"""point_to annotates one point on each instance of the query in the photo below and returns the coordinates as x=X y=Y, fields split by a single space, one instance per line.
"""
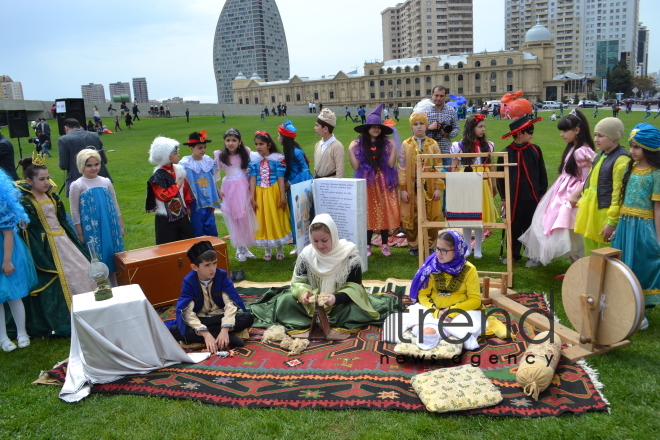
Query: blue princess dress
x=19 y=284
x=636 y=235
x=94 y=206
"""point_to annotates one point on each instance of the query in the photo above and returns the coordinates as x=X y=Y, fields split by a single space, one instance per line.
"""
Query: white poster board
x=346 y=202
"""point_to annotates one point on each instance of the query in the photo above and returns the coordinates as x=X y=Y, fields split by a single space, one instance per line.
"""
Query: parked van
x=491 y=103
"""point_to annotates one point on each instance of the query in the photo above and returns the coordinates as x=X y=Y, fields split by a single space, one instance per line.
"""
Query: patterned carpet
x=360 y=372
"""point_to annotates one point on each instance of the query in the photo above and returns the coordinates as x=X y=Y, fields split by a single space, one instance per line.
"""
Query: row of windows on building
x=460 y=65
x=382 y=95
x=428 y=79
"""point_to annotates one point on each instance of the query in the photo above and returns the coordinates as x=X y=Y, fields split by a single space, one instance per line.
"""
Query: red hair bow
x=261 y=133
x=479 y=118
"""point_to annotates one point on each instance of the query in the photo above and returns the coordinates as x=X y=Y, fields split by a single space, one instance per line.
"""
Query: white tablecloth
x=117 y=337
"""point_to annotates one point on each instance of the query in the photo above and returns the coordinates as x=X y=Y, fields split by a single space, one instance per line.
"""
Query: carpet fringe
x=593 y=375
x=591 y=372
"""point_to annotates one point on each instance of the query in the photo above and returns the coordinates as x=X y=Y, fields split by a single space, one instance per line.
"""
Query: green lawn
x=29 y=411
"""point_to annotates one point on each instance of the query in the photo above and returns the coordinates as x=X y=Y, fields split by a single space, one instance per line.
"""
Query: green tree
x=644 y=84
x=620 y=79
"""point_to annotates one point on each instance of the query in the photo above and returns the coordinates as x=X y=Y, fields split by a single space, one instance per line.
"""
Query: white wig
x=161 y=148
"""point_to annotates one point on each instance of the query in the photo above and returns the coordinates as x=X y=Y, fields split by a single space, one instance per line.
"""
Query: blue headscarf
x=433 y=265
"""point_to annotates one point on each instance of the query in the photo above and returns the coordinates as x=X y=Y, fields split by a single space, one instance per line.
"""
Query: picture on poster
x=303 y=212
x=343 y=199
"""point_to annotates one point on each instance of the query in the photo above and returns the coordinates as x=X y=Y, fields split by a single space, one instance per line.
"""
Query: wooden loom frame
x=423 y=224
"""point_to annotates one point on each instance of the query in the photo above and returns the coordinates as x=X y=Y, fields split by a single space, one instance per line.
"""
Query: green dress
x=358 y=308
x=60 y=260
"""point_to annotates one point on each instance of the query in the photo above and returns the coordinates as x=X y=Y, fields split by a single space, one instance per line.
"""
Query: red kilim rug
x=360 y=372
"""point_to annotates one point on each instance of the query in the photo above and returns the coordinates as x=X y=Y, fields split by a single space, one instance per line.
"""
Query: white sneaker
x=645 y=324
x=241 y=257
x=248 y=254
x=532 y=263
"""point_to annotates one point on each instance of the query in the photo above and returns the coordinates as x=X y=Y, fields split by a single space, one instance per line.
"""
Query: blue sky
x=55 y=47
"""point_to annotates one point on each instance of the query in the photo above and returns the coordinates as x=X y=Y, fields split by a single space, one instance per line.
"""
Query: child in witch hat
x=373 y=157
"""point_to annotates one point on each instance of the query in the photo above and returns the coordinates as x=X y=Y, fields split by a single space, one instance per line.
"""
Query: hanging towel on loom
x=464 y=200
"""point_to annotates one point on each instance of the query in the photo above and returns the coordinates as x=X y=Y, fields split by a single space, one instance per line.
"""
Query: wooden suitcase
x=159 y=270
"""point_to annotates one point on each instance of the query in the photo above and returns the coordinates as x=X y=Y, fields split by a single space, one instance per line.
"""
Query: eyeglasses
x=442 y=251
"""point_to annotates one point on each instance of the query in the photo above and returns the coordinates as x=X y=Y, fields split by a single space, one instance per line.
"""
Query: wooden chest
x=159 y=270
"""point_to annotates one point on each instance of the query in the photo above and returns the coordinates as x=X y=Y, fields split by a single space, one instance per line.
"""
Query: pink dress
x=551 y=234
x=236 y=209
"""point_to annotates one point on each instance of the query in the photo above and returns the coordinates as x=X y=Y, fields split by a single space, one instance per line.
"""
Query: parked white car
x=551 y=105
x=587 y=103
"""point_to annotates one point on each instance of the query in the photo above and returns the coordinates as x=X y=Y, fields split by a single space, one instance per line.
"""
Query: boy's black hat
x=198 y=249
x=197 y=138
x=520 y=125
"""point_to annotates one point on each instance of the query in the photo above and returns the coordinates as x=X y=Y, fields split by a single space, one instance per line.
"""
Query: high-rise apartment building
x=120 y=88
x=93 y=92
x=249 y=38
x=10 y=89
x=579 y=28
x=140 y=90
x=420 y=28
x=643 y=36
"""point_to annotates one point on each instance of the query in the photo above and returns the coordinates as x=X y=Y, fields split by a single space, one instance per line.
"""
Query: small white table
x=117 y=337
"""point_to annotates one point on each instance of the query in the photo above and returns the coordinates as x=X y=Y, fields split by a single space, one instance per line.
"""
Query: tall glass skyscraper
x=249 y=38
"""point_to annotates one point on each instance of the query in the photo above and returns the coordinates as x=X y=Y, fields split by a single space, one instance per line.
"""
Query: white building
x=589 y=35
x=120 y=88
x=93 y=92
x=10 y=89
x=423 y=28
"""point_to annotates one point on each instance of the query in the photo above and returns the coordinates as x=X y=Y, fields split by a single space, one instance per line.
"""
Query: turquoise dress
x=636 y=235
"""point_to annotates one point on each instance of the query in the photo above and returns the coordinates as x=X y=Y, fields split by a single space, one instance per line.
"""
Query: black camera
x=447 y=128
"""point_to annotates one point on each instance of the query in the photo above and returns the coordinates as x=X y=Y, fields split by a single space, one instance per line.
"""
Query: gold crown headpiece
x=38 y=159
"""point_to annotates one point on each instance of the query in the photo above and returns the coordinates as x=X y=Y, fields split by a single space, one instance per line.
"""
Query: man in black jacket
x=69 y=145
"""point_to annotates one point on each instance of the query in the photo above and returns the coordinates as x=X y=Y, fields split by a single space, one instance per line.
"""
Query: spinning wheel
x=620 y=309
x=603 y=301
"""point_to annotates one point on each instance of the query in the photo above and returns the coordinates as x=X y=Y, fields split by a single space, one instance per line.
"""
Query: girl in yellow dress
x=267 y=189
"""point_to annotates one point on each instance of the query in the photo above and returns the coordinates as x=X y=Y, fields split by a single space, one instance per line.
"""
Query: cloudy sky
x=55 y=47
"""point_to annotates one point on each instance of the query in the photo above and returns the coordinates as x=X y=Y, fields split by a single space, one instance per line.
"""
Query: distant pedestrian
x=263 y=117
x=117 y=127
x=128 y=120
x=648 y=111
x=225 y=120
x=595 y=112
x=135 y=112
x=396 y=113
x=561 y=109
x=167 y=111
x=187 y=116
x=348 y=114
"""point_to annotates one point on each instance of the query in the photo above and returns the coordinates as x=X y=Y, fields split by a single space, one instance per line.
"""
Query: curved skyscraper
x=249 y=38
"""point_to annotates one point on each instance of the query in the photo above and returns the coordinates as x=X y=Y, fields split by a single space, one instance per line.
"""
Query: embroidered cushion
x=444 y=349
x=455 y=389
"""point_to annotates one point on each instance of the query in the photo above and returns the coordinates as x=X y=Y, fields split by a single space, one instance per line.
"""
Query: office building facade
x=10 y=89
x=120 y=88
x=140 y=90
x=93 y=92
x=422 y=28
x=250 y=38
x=579 y=28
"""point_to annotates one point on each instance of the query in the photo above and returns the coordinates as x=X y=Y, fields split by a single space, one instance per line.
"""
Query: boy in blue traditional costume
x=200 y=172
x=210 y=310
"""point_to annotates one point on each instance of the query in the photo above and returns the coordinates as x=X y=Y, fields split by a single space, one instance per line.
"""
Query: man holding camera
x=443 y=122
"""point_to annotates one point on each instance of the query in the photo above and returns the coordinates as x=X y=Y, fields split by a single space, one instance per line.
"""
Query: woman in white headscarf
x=330 y=268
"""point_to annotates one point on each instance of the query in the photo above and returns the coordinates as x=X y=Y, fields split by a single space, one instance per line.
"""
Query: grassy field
x=631 y=374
